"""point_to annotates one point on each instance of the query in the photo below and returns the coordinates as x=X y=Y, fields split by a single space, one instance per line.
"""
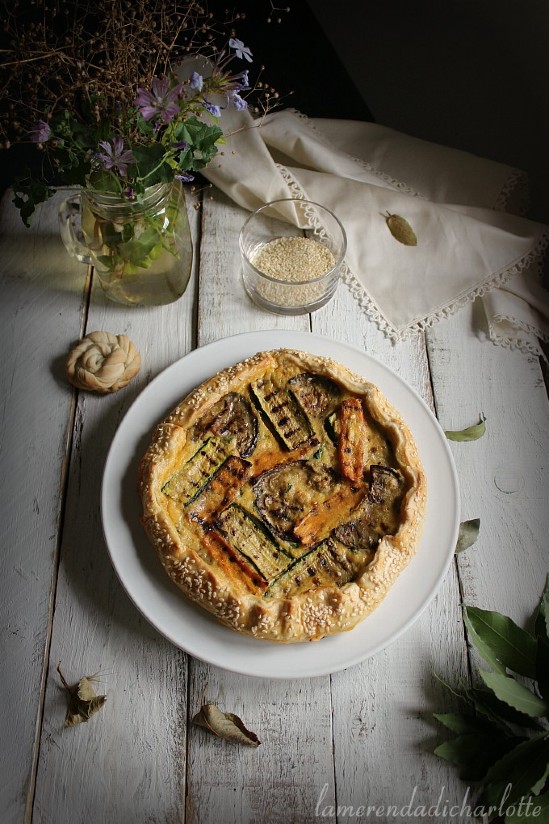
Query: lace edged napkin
x=468 y=246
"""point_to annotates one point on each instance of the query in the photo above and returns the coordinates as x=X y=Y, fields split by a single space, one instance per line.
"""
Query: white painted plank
x=280 y=780
x=378 y=727
x=504 y=474
x=224 y=307
x=128 y=763
x=41 y=293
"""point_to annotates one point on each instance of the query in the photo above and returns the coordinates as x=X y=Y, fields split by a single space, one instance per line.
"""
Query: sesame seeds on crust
x=316 y=612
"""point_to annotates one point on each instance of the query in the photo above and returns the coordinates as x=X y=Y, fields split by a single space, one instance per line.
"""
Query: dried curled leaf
x=472 y=433
x=468 y=534
x=225 y=725
x=401 y=230
x=83 y=700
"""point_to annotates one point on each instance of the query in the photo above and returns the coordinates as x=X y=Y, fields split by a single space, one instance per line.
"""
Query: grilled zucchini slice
x=325 y=565
x=187 y=483
x=247 y=535
x=221 y=489
x=283 y=413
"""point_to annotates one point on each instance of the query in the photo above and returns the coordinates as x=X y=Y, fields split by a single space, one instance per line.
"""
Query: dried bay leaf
x=401 y=230
x=225 y=725
x=468 y=534
x=471 y=433
x=83 y=700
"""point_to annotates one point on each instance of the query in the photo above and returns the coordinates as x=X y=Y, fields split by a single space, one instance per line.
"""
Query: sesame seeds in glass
x=292 y=252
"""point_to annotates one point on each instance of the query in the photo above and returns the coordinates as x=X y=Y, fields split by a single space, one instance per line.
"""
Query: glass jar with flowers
x=106 y=98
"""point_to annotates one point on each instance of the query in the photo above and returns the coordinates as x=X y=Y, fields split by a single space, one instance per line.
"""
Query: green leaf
x=468 y=534
x=401 y=230
x=462 y=696
x=542 y=615
x=524 y=768
x=104 y=181
x=515 y=694
x=138 y=249
x=498 y=712
x=150 y=164
x=201 y=139
x=542 y=667
x=501 y=642
x=472 y=433
x=536 y=811
x=28 y=194
x=474 y=753
x=462 y=724
x=482 y=645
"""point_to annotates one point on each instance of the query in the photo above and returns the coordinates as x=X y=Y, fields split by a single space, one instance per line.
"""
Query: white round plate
x=192 y=628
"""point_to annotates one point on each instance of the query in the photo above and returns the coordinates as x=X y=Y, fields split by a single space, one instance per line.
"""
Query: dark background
x=472 y=74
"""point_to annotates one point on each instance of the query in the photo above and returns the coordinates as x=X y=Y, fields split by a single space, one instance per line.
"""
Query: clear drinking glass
x=292 y=252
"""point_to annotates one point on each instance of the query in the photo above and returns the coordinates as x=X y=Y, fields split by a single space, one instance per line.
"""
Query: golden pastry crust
x=197 y=555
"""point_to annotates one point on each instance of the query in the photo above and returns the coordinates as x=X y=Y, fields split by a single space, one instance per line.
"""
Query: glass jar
x=292 y=255
x=141 y=249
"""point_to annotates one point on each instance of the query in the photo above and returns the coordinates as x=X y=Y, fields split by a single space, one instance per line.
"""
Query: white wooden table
x=362 y=736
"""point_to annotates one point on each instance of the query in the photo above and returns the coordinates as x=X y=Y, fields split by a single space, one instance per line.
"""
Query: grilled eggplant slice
x=386 y=484
x=232 y=416
x=185 y=484
x=221 y=489
x=285 y=494
x=318 y=396
x=325 y=565
x=249 y=537
x=378 y=513
x=359 y=533
x=282 y=411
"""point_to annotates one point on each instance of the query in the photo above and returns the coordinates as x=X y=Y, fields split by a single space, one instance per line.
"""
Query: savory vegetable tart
x=284 y=495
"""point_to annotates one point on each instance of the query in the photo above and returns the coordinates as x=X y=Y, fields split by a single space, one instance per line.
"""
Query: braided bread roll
x=103 y=362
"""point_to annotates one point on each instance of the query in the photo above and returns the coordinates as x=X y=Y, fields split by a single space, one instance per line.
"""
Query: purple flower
x=238 y=102
x=40 y=132
x=185 y=177
x=160 y=102
x=212 y=109
x=243 y=77
x=196 y=81
x=236 y=82
x=241 y=50
x=181 y=145
x=115 y=157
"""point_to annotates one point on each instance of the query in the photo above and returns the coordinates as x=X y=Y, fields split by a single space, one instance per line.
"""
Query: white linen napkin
x=467 y=245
